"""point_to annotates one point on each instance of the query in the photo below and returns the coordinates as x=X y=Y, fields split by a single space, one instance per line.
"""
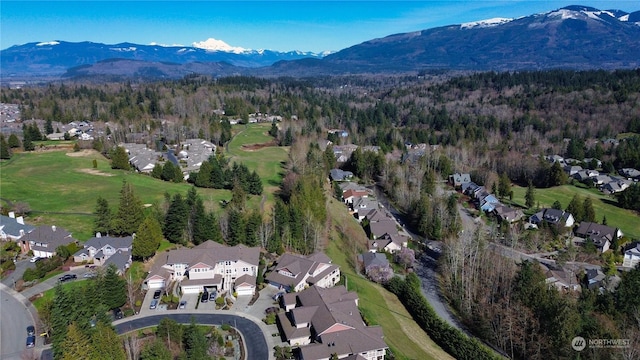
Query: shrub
x=225 y=327
x=220 y=301
x=138 y=303
x=270 y=319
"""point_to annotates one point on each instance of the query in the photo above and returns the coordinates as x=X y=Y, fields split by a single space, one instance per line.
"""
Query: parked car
x=89 y=275
x=154 y=304
x=272 y=309
x=117 y=313
x=156 y=294
x=277 y=296
x=31 y=341
x=67 y=277
x=205 y=297
x=182 y=305
x=31 y=330
x=212 y=296
x=34 y=259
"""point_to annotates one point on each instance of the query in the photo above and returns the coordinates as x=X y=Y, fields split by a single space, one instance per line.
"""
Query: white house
x=631 y=257
x=100 y=248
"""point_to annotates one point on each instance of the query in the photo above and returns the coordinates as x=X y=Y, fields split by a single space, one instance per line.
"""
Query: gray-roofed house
x=13 y=228
x=594 y=278
x=99 y=249
x=508 y=214
x=388 y=243
x=553 y=217
x=458 y=179
x=206 y=266
x=631 y=257
x=327 y=321
x=121 y=260
x=45 y=239
x=194 y=152
x=379 y=229
x=630 y=173
x=295 y=272
x=340 y=175
x=601 y=235
x=369 y=259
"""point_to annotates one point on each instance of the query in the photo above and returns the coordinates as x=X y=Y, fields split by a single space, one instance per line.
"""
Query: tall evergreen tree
x=212 y=229
x=175 y=223
x=589 y=213
x=155 y=350
x=106 y=344
x=5 y=152
x=236 y=228
x=112 y=288
x=104 y=218
x=120 y=159
x=76 y=344
x=195 y=343
x=529 y=197
x=504 y=185
x=156 y=173
x=28 y=145
x=130 y=211
x=48 y=127
x=14 y=142
x=147 y=238
x=252 y=226
x=575 y=207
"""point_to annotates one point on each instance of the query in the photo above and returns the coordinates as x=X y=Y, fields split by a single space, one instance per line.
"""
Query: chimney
x=12 y=214
x=98 y=234
x=53 y=228
x=20 y=220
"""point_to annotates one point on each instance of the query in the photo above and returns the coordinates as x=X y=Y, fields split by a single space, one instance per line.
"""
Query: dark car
x=156 y=294
x=272 y=309
x=212 y=296
x=154 y=304
x=205 y=297
x=31 y=341
x=117 y=313
x=183 y=304
x=67 y=277
x=31 y=330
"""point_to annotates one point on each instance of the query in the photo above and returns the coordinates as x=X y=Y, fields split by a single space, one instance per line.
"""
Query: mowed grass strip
x=380 y=307
x=266 y=161
x=37 y=303
x=604 y=205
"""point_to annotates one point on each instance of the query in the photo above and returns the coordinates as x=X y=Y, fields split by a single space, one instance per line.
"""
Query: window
x=229 y=271
x=228 y=263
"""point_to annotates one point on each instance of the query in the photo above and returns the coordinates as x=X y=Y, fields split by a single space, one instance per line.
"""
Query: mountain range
x=573 y=37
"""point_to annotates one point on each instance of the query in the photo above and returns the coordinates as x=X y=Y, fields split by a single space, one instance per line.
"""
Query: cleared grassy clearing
x=380 y=307
x=604 y=205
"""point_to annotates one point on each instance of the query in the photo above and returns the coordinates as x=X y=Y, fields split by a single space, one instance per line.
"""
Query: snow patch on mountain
x=624 y=18
x=165 y=45
x=130 y=48
x=212 y=44
x=48 y=43
x=485 y=23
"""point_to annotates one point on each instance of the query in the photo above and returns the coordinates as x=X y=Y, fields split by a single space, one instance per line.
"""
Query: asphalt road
x=13 y=328
x=253 y=337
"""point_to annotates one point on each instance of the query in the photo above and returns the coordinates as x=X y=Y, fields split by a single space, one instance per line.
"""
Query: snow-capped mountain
x=54 y=58
x=573 y=37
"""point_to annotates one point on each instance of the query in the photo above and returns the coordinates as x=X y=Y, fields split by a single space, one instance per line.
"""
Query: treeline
x=216 y=173
x=452 y=340
x=78 y=321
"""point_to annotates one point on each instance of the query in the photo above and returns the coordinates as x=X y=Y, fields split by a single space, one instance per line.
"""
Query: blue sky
x=276 y=25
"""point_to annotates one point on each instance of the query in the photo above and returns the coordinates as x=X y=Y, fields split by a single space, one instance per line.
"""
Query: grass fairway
x=380 y=307
x=604 y=205
x=61 y=188
x=265 y=160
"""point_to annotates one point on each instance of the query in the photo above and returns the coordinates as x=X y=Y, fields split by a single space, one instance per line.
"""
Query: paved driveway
x=13 y=328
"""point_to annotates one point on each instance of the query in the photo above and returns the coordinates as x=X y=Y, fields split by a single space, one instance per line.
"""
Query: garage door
x=191 y=289
x=155 y=284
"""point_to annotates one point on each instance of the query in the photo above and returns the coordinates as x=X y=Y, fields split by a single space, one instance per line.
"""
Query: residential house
x=345 y=186
x=562 y=280
x=388 y=243
x=194 y=152
x=572 y=169
x=594 y=278
x=556 y=159
x=13 y=228
x=584 y=175
x=381 y=228
x=615 y=185
x=45 y=239
x=100 y=248
x=632 y=257
x=141 y=158
x=601 y=235
x=121 y=260
x=458 y=179
x=342 y=153
x=469 y=188
x=601 y=179
x=296 y=272
x=508 y=214
x=362 y=206
x=327 y=322
x=55 y=136
x=370 y=259
x=589 y=161
x=630 y=173
x=350 y=195
x=340 y=175
x=487 y=202
x=554 y=217
x=207 y=266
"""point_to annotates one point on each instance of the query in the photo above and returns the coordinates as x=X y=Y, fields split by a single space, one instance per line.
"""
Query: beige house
x=207 y=266
x=296 y=272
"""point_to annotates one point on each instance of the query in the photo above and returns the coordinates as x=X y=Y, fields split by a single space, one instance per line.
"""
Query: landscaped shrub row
x=42 y=268
x=452 y=340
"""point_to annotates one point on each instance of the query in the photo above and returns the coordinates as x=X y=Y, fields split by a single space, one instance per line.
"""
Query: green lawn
x=380 y=307
x=266 y=161
x=604 y=205
x=37 y=303
x=61 y=187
